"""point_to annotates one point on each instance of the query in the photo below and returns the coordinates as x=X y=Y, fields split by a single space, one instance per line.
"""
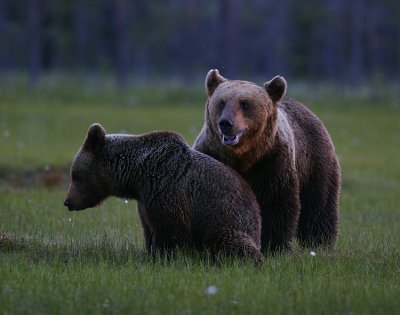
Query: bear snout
x=229 y=135
x=68 y=204
x=225 y=125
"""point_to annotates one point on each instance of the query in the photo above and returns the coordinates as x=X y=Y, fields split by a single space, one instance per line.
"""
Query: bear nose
x=67 y=203
x=225 y=125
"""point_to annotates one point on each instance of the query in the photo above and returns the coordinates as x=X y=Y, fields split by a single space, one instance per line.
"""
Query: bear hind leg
x=240 y=245
x=318 y=222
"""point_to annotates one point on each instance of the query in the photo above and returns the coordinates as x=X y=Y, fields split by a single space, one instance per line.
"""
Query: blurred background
x=342 y=42
x=136 y=66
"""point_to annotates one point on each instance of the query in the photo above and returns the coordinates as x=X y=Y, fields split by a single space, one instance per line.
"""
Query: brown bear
x=189 y=199
x=283 y=151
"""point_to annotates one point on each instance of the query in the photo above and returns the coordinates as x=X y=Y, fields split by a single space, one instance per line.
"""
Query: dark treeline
x=341 y=41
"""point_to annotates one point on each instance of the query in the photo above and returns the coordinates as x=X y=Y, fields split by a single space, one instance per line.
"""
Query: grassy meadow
x=93 y=262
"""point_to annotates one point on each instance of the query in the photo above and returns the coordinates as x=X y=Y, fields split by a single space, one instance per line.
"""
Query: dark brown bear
x=283 y=151
x=191 y=200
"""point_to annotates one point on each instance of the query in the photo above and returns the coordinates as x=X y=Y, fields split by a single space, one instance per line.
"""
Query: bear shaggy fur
x=283 y=151
x=190 y=199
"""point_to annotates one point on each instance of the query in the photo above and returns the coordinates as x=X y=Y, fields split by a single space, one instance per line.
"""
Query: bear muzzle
x=227 y=132
x=70 y=205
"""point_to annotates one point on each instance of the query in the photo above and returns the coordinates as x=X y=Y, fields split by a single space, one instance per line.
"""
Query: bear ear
x=95 y=139
x=276 y=88
x=213 y=79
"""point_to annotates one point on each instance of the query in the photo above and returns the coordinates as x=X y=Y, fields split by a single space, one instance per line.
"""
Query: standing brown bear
x=189 y=199
x=283 y=151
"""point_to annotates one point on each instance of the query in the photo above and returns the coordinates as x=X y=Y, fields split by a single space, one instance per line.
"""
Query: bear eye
x=244 y=105
x=221 y=105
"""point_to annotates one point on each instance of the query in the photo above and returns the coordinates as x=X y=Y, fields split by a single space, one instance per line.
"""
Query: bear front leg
x=279 y=199
x=147 y=230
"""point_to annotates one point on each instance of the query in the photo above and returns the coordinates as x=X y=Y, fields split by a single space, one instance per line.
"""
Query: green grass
x=56 y=262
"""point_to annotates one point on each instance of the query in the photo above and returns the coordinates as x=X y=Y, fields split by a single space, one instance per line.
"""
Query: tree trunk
x=376 y=40
x=229 y=37
x=356 y=60
x=80 y=32
x=332 y=49
x=276 y=34
x=4 y=62
x=397 y=61
x=122 y=42
x=35 y=40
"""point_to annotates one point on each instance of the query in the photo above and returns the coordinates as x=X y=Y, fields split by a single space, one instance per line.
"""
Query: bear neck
x=137 y=165
x=122 y=158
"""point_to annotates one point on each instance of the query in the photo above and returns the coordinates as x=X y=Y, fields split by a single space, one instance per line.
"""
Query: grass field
x=93 y=262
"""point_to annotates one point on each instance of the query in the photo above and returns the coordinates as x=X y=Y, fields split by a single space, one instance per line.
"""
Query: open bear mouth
x=231 y=140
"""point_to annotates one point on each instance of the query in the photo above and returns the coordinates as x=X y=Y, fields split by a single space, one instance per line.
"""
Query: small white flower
x=312 y=254
x=20 y=145
x=355 y=141
x=126 y=200
x=211 y=290
x=69 y=219
x=7 y=289
x=234 y=302
x=106 y=303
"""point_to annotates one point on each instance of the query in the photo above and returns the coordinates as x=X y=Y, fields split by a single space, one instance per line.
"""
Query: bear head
x=88 y=187
x=239 y=112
